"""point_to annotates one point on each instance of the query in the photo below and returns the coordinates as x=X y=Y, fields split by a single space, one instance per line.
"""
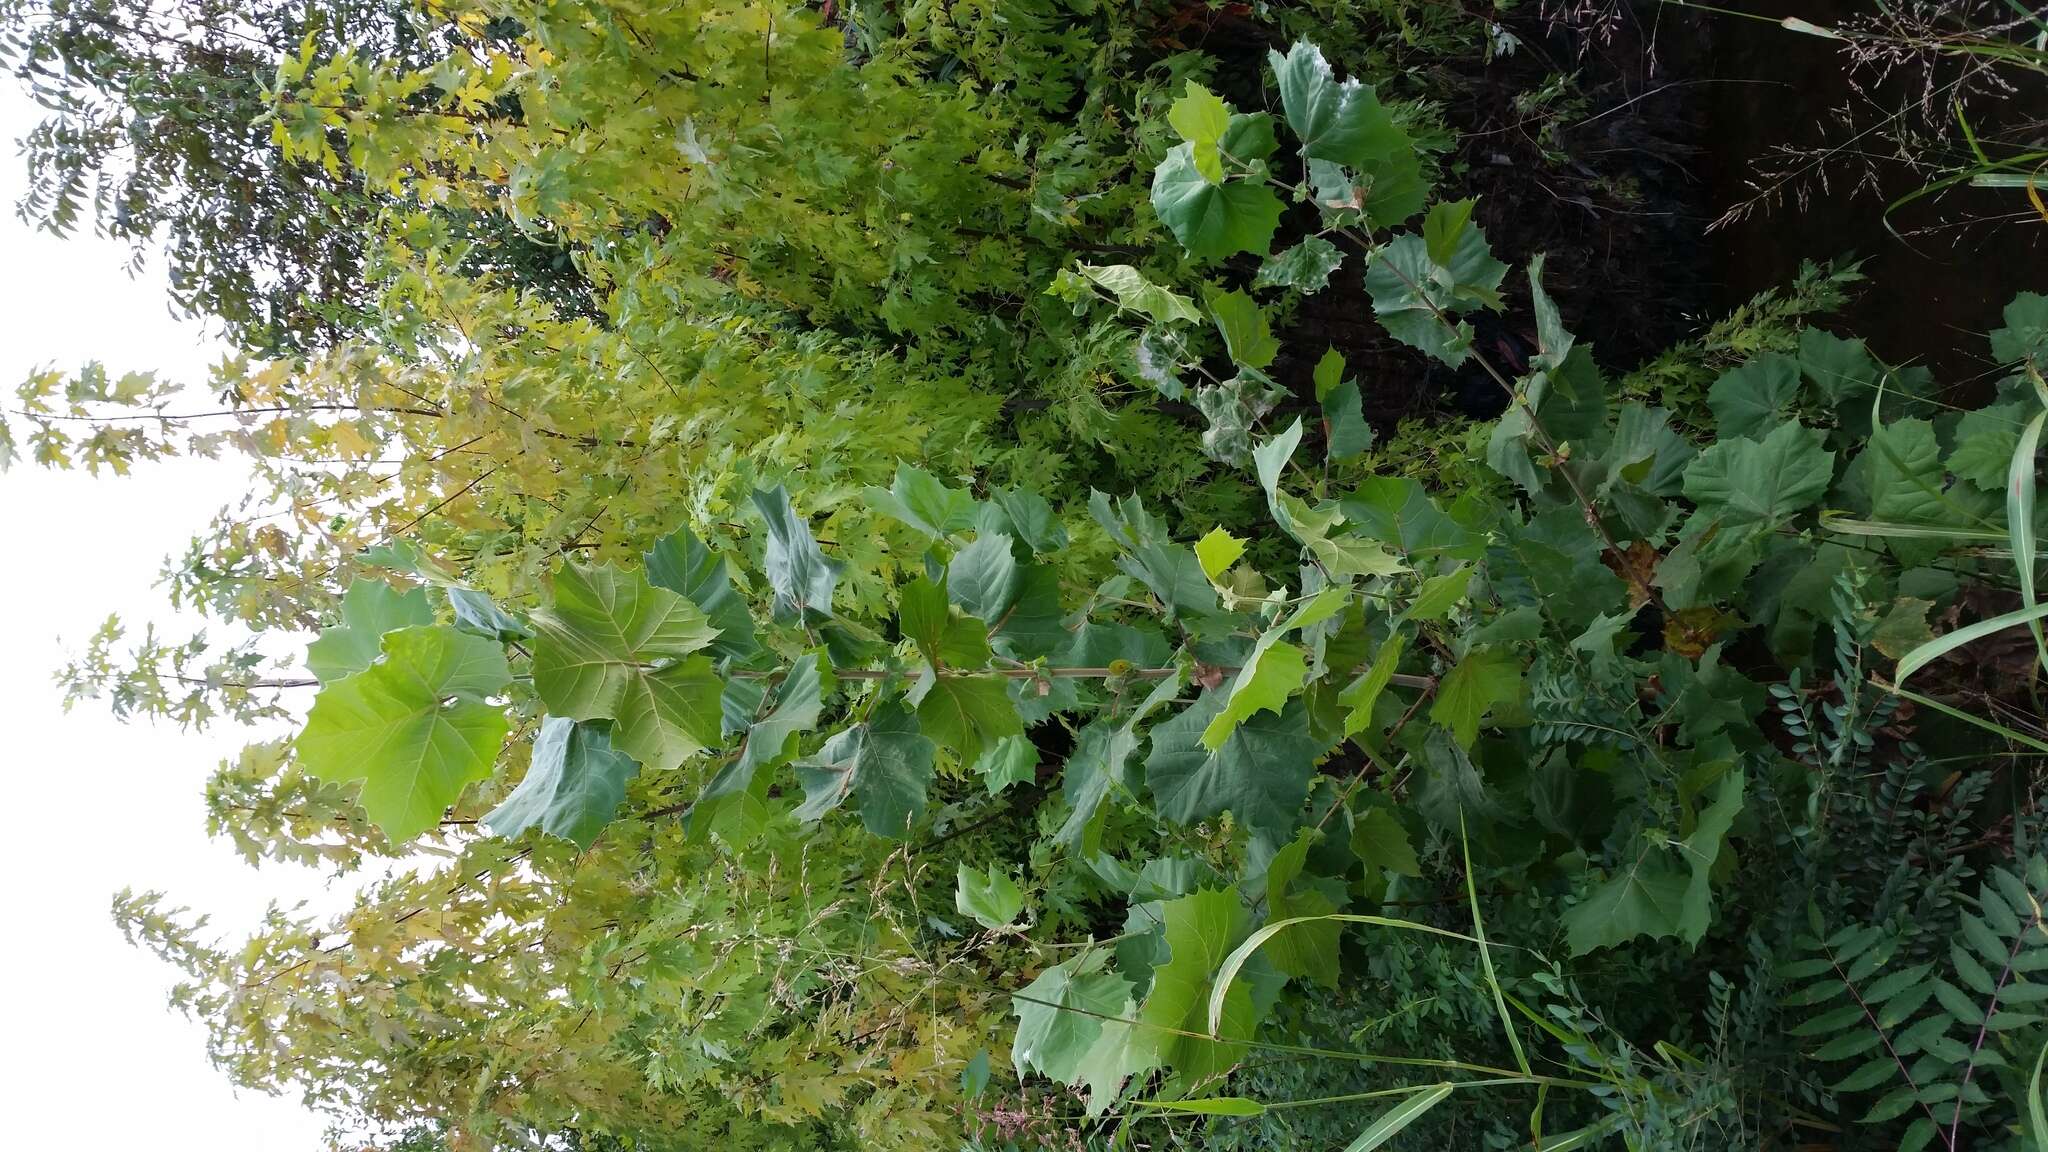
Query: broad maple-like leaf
x=614 y=647
x=369 y=609
x=573 y=785
x=414 y=726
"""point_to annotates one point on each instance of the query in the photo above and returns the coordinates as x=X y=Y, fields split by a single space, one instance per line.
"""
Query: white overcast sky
x=94 y=1059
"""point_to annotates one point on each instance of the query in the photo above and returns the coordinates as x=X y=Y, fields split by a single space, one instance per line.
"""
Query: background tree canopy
x=1032 y=573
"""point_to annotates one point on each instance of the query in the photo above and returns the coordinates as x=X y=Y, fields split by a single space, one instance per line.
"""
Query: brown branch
x=443 y=503
x=1086 y=672
x=273 y=410
x=1588 y=509
x=1358 y=778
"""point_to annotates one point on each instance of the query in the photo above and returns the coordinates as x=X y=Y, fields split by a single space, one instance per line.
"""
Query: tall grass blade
x=1400 y=1116
x=1949 y=710
x=1941 y=646
x=2019 y=521
x=1851 y=526
x=2037 y=1119
x=1210 y=1106
x=1582 y=1138
x=1234 y=963
x=1500 y=1004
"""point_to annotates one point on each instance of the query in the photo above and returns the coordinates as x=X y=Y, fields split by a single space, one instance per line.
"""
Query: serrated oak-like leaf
x=1217 y=552
x=919 y=499
x=1751 y=399
x=884 y=765
x=1702 y=848
x=1306 y=267
x=1133 y=291
x=946 y=638
x=1645 y=899
x=1212 y=220
x=1123 y=1055
x=1444 y=227
x=1018 y=604
x=772 y=740
x=1339 y=554
x=1553 y=340
x=413 y=727
x=573 y=785
x=1344 y=424
x=965 y=713
x=1201 y=117
x=799 y=701
x=1844 y=370
x=614 y=647
x=1439 y=594
x=1417 y=299
x=1247 y=336
x=1985 y=442
x=1011 y=760
x=369 y=609
x=1150 y=556
x=1271 y=674
x=1358 y=698
x=2026 y=330
x=1024 y=515
x=1399 y=511
x=1097 y=766
x=1900 y=470
x=1260 y=774
x=1309 y=949
x=1379 y=839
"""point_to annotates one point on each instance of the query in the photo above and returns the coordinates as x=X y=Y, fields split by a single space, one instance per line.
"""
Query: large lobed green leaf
x=1201 y=929
x=614 y=647
x=682 y=564
x=573 y=784
x=1060 y=1015
x=798 y=571
x=1418 y=298
x=369 y=609
x=413 y=727
x=1663 y=891
x=1210 y=219
x=1345 y=123
x=883 y=765
x=1259 y=774
x=1750 y=484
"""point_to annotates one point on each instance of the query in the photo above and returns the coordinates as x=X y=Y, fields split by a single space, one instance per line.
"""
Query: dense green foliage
x=936 y=654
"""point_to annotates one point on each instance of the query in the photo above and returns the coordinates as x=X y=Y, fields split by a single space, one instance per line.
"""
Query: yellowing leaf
x=1273 y=673
x=1217 y=552
x=1201 y=117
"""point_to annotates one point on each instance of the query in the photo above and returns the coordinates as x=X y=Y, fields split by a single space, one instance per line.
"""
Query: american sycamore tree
x=849 y=610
